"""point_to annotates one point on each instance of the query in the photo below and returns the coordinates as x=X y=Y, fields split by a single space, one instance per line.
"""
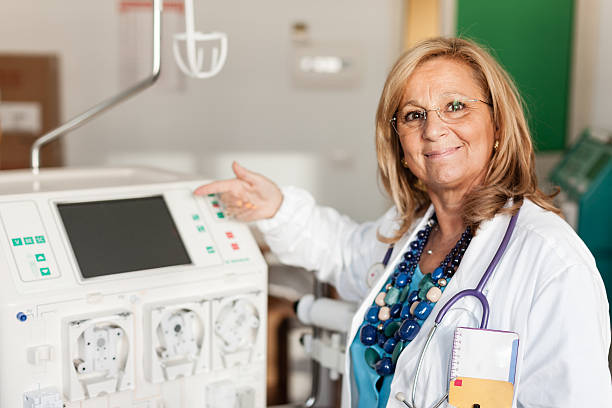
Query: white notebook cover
x=483 y=353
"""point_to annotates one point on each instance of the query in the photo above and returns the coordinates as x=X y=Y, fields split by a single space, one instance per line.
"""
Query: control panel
x=28 y=241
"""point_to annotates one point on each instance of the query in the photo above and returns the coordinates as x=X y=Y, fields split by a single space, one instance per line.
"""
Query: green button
x=220 y=215
x=17 y=241
x=210 y=250
x=40 y=258
x=195 y=217
x=201 y=228
x=28 y=240
x=45 y=271
x=212 y=195
x=40 y=239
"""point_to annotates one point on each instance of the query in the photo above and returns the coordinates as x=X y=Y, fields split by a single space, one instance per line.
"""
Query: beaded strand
x=396 y=316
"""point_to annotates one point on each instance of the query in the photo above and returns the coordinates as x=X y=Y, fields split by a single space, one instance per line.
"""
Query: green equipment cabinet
x=585 y=177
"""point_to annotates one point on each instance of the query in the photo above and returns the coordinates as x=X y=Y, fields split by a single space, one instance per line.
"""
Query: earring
x=404 y=163
x=496 y=145
x=420 y=186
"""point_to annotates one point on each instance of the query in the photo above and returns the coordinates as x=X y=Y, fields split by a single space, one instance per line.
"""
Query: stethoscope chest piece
x=374 y=274
x=378 y=269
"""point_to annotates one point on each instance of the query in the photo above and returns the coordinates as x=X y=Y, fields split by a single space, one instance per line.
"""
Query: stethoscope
x=476 y=292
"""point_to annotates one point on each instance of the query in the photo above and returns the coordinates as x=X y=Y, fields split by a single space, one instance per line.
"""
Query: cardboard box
x=29 y=106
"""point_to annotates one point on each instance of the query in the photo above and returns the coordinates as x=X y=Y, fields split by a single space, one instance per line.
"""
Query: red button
x=230 y=235
x=235 y=246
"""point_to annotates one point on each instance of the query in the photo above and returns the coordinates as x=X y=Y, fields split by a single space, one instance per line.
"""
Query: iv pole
x=109 y=103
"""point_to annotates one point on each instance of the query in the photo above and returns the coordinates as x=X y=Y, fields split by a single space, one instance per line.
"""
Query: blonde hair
x=511 y=171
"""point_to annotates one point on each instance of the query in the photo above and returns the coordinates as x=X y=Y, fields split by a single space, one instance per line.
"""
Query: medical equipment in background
x=123 y=289
x=585 y=177
x=326 y=345
x=195 y=66
x=195 y=58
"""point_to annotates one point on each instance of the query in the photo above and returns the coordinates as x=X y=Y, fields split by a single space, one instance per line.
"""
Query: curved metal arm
x=109 y=103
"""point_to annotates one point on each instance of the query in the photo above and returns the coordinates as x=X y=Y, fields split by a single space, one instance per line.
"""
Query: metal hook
x=195 y=57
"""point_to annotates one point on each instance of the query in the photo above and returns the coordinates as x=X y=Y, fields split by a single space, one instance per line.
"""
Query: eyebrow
x=412 y=102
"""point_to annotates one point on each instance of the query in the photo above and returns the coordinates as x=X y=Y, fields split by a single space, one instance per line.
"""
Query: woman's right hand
x=248 y=197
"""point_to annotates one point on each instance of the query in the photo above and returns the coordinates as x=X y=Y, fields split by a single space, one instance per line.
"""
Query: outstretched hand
x=248 y=197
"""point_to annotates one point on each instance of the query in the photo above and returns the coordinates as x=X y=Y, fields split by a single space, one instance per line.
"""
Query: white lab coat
x=546 y=288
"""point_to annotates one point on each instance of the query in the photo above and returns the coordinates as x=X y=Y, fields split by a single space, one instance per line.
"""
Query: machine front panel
x=129 y=297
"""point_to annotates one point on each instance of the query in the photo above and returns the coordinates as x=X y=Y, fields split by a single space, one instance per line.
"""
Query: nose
x=434 y=126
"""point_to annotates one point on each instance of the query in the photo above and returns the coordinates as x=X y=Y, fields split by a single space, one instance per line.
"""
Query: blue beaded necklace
x=396 y=316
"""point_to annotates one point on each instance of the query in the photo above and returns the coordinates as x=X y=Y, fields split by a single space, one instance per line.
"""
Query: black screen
x=118 y=236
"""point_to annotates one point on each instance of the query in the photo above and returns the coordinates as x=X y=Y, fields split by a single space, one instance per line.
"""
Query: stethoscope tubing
x=477 y=292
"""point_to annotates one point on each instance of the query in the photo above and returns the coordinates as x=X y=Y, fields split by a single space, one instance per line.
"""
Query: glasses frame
x=393 y=120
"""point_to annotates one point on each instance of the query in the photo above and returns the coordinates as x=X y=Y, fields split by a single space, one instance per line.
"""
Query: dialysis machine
x=585 y=176
x=121 y=289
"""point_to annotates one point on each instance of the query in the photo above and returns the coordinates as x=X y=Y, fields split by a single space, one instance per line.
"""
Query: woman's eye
x=455 y=106
x=413 y=115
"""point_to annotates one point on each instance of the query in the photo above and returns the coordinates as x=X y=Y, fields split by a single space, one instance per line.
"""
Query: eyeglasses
x=454 y=110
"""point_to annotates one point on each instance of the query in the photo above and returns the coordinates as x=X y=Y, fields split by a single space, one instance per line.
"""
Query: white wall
x=591 y=67
x=591 y=81
x=601 y=107
x=253 y=105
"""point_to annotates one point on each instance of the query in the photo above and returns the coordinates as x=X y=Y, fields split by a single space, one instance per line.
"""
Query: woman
x=455 y=155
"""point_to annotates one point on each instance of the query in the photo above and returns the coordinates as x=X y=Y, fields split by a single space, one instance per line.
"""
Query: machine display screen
x=598 y=166
x=117 y=236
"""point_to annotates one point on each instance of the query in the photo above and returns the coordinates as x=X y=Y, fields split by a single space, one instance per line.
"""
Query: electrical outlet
x=21 y=117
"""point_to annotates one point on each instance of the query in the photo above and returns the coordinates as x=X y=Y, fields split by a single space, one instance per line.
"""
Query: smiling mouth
x=438 y=154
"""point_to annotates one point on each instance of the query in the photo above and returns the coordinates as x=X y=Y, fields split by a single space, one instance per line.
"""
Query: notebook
x=483 y=368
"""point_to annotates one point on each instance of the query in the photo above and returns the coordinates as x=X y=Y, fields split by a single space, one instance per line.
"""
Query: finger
x=247 y=216
x=237 y=205
x=216 y=187
x=234 y=211
x=240 y=214
x=244 y=174
x=231 y=199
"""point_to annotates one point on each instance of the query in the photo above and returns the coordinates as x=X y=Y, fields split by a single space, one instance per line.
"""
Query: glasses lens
x=411 y=118
x=454 y=110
